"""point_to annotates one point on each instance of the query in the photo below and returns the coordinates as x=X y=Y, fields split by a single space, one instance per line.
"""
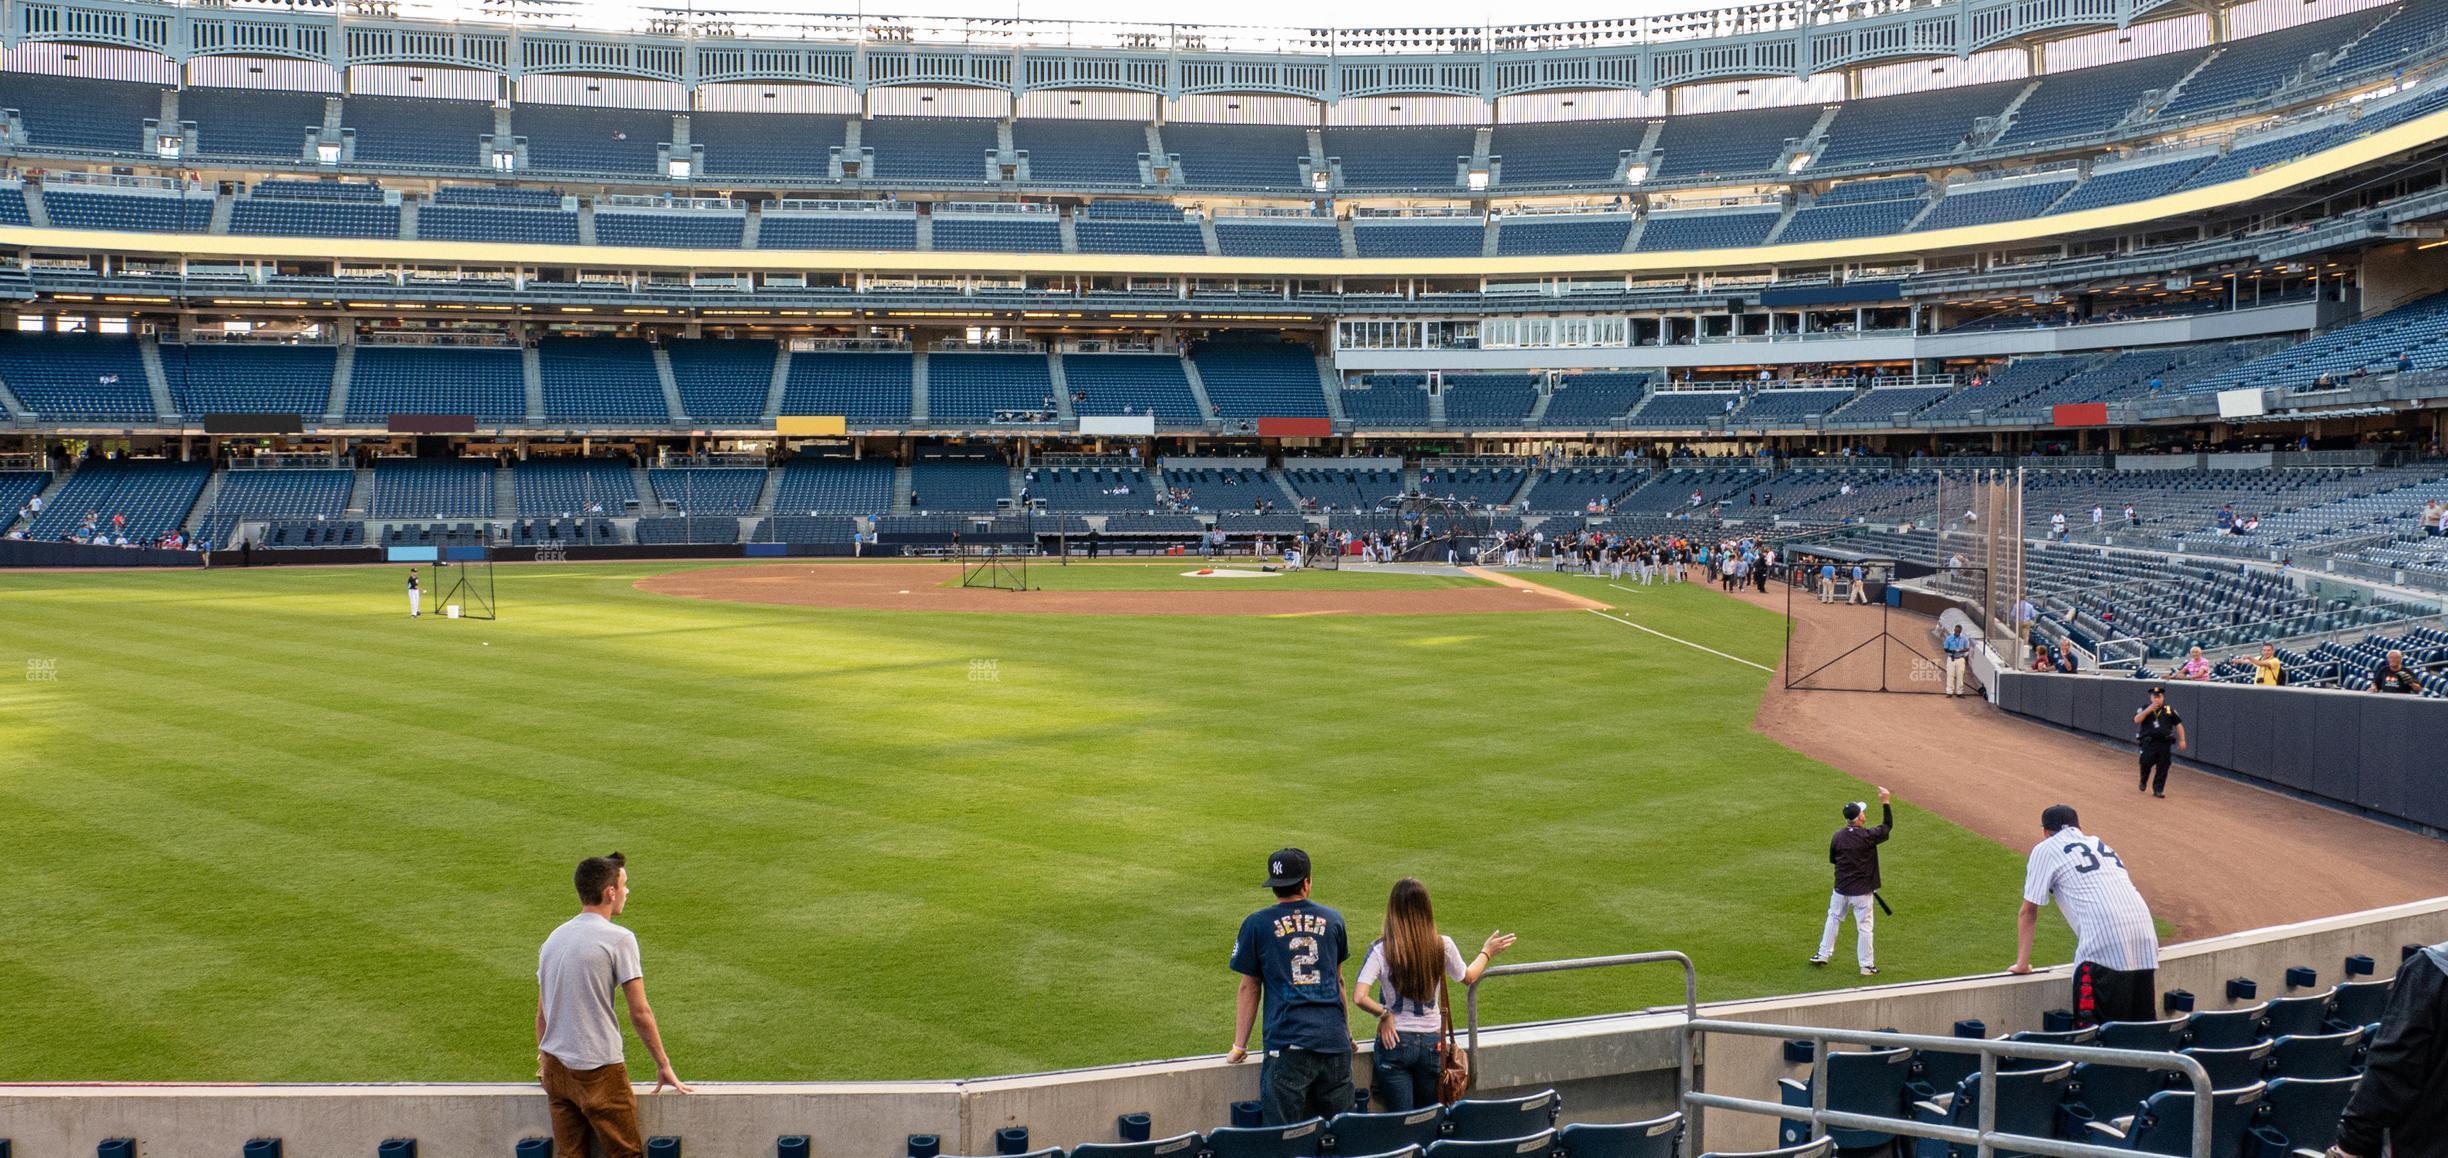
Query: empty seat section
x=147 y=498
x=790 y=145
x=813 y=485
x=456 y=221
x=1562 y=152
x=948 y=152
x=723 y=380
x=2245 y=160
x=702 y=490
x=573 y=487
x=1850 y=219
x=1278 y=237
x=1260 y=379
x=2118 y=186
x=1685 y=408
x=1091 y=489
x=868 y=388
x=972 y=387
x=1422 y=237
x=1706 y=229
x=1485 y=401
x=1922 y=124
x=13 y=206
x=1343 y=488
x=2248 y=69
x=1742 y=141
x=972 y=484
x=68 y=377
x=66 y=112
x=314 y=209
x=1979 y=206
x=1539 y=235
x=234 y=122
x=2093 y=100
x=1136 y=227
x=245 y=378
x=2416 y=28
x=997 y=232
x=1387 y=401
x=1589 y=401
x=1487 y=486
x=671 y=229
x=131 y=210
x=1788 y=407
x=882 y=231
x=567 y=139
x=1136 y=383
x=282 y=495
x=1407 y=158
x=411 y=131
x=431 y=488
x=1079 y=153
x=713 y=530
x=600 y=380
x=488 y=383
x=1238 y=156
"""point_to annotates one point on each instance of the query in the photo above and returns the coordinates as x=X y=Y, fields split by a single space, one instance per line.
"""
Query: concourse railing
x=1691 y=1006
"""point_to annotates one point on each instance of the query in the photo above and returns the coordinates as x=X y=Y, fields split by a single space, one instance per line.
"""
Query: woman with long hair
x=1401 y=983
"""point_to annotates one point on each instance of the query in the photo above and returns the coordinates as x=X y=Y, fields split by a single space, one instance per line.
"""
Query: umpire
x=1854 y=852
x=2160 y=733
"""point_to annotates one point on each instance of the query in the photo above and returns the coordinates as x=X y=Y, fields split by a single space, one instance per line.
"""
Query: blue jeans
x=1295 y=1085
x=1406 y=1075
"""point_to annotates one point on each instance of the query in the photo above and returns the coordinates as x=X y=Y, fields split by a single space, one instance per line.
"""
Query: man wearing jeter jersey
x=1293 y=952
x=2116 y=948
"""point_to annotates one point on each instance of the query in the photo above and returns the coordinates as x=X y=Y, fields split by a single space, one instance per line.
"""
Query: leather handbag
x=1453 y=1062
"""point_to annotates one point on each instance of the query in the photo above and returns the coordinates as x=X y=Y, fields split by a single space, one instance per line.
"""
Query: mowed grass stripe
x=854 y=860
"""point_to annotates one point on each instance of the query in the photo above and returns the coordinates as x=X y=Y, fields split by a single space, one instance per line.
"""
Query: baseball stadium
x=1884 y=562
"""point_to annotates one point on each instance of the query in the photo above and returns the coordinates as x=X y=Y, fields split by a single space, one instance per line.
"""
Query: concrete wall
x=1609 y=1069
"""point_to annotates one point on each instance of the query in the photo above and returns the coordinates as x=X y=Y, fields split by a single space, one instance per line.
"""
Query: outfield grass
x=1169 y=575
x=263 y=827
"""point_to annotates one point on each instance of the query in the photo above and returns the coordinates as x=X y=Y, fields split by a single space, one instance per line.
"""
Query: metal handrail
x=1691 y=1004
x=1985 y=1138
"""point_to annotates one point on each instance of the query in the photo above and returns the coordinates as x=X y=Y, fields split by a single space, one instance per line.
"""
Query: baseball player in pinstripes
x=2116 y=950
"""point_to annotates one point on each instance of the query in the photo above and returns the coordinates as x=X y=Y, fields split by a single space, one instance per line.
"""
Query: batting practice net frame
x=1432 y=523
x=1877 y=647
x=995 y=566
x=1980 y=559
x=463 y=575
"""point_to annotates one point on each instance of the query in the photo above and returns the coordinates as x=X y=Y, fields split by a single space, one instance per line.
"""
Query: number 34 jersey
x=1296 y=951
x=2112 y=925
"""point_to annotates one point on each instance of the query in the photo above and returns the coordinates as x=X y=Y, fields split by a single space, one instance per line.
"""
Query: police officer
x=2160 y=732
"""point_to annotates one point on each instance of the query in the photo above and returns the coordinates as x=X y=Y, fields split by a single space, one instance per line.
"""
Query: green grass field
x=261 y=826
x=1168 y=576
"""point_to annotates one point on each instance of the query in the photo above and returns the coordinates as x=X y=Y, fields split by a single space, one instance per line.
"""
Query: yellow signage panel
x=811 y=425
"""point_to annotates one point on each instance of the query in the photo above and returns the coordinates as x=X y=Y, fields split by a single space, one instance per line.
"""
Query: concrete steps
x=918 y=386
x=344 y=370
x=781 y=381
x=149 y=350
x=532 y=374
x=671 y=385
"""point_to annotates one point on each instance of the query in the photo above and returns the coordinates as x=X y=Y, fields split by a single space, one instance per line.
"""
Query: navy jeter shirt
x=1296 y=951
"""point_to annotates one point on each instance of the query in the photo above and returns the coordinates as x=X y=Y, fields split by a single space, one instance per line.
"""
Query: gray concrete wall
x=1610 y=1068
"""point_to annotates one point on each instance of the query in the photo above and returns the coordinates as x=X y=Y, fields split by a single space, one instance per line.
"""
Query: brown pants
x=596 y=1103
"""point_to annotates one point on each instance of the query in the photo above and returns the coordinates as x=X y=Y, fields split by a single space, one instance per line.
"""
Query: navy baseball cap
x=1854 y=809
x=1286 y=868
x=2058 y=816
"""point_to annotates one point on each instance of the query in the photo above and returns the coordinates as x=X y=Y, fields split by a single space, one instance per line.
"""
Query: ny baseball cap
x=1287 y=867
x=2058 y=816
x=1854 y=809
x=2158 y=691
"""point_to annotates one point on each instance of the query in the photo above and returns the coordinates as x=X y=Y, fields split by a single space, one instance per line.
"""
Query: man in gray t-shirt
x=578 y=1037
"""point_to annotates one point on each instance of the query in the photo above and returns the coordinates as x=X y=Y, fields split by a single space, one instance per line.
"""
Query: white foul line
x=1672 y=639
x=1621 y=587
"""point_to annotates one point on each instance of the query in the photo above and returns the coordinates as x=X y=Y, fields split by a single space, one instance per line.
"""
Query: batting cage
x=1979 y=554
x=1844 y=634
x=1431 y=528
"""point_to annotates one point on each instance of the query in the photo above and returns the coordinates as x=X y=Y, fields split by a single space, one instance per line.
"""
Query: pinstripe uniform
x=2116 y=951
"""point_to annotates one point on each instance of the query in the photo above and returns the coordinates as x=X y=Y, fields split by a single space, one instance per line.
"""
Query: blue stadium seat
x=2167 y=1035
x=2305 y=1111
x=1298 y=1140
x=1527 y=1146
x=1823 y=1148
x=2134 y=183
x=77 y=114
x=1419 y=237
x=1108 y=227
x=1238 y=156
x=671 y=228
x=303 y=497
x=2360 y=1002
x=1859 y=1082
x=707 y=490
x=1491 y=1119
x=2228 y=1028
x=879 y=231
x=2233 y=1068
x=488 y=383
x=314 y=209
x=2026 y=1104
x=1744 y=141
x=431 y=488
x=813 y=485
x=959 y=483
x=997 y=232
x=1706 y=229
x=453 y=222
x=2104 y=1091
x=792 y=145
x=569 y=139
x=2317 y=1055
x=1139 y=383
x=1278 y=237
x=1660 y=1137
x=1914 y=125
x=1976 y=205
x=2295 y=1015
x=973 y=387
x=1415 y=158
x=1357 y=1133
x=1546 y=153
x=1177 y=1146
x=1081 y=154
x=1251 y=379
x=1531 y=236
x=2164 y=1124
x=155 y=497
